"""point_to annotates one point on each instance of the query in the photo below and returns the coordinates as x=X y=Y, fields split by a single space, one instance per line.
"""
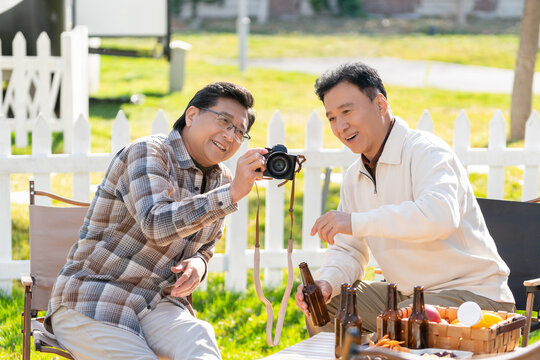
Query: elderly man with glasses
x=149 y=233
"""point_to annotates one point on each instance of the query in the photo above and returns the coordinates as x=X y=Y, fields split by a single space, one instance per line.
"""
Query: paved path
x=412 y=73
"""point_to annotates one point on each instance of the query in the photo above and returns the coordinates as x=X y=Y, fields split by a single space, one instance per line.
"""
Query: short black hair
x=357 y=73
x=209 y=96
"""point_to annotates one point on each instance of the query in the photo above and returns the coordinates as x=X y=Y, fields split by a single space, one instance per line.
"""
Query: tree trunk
x=524 y=71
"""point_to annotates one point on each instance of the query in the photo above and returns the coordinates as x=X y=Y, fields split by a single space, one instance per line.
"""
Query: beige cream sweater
x=420 y=219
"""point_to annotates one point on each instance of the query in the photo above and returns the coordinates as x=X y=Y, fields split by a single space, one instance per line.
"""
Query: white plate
x=459 y=353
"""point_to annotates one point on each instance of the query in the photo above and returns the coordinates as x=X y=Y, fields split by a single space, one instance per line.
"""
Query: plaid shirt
x=147 y=215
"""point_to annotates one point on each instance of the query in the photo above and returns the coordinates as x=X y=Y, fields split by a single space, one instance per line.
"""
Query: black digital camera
x=279 y=164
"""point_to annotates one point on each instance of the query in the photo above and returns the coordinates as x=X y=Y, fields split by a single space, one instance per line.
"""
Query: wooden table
x=318 y=347
x=321 y=347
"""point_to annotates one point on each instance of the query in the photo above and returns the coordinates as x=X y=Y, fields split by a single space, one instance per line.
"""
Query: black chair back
x=515 y=227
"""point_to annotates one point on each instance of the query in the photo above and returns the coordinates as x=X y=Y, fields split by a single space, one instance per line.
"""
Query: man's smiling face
x=207 y=143
x=355 y=119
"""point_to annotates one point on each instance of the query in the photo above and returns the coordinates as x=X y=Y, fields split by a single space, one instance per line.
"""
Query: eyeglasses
x=226 y=124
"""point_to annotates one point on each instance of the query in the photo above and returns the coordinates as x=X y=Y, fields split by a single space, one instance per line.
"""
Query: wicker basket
x=501 y=337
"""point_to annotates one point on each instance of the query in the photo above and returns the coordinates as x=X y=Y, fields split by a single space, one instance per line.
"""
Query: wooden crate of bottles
x=501 y=337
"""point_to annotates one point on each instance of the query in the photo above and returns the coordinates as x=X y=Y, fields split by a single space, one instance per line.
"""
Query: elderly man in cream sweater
x=407 y=199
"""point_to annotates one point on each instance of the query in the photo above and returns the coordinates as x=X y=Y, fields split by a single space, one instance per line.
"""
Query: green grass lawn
x=497 y=50
x=485 y=50
x=239 y=318
x=239 y=321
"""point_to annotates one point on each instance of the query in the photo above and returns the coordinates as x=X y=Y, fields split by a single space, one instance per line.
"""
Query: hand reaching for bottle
x=326 y=290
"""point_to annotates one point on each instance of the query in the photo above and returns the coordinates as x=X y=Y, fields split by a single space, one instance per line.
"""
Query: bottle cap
x=469 y=313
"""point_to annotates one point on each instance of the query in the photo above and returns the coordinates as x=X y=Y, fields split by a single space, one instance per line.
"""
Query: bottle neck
x=307 y=278
x=418 y=299
x=351 y=302
x=391 y=299
x=343 y=299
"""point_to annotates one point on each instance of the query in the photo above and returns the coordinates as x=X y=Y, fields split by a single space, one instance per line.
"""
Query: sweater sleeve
x=433 y=214
x=345 y=261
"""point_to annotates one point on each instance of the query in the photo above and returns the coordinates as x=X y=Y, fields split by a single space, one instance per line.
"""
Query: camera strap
x=290 y=271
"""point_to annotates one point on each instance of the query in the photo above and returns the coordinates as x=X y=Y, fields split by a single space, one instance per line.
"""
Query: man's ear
x=382 y=104
x=191 y=113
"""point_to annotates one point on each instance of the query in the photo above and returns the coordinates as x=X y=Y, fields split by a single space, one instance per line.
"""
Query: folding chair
x=53 y=230
x=515 y=227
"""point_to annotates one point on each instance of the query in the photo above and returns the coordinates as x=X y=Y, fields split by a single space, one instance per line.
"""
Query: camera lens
x=277 y=165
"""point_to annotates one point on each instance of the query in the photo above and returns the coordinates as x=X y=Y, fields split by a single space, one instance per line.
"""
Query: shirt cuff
x=334 y=278
x=197 y=255
x=220 y=198
x=359 y=224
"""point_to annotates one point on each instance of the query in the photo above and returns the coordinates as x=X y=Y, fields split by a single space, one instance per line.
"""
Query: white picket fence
x=238 y=258
x=35 y=84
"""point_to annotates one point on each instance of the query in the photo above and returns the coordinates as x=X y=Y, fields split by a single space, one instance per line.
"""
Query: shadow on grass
x=107 y=108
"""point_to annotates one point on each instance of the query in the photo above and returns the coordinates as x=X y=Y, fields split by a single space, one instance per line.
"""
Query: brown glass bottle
x=391 y=317
x=418 y=322
x=351 y=317
x=313 y=297
x=337 y=319
x=353 y=339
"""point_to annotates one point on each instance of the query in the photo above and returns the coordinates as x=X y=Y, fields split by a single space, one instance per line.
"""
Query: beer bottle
x=353 y=338
x=391 y=318
x=337 y=319
x=313 y=297
x=418 y=321
x=351 y=317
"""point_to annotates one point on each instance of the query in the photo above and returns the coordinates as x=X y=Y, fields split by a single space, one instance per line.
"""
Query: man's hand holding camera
x=279 y=163
x=248 y=170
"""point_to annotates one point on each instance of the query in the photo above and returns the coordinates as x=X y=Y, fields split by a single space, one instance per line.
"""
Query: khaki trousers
x=371 y=302
x=170 y=332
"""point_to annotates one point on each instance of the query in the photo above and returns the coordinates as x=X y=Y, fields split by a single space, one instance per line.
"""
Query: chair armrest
x=533 y=282
x=26 y=280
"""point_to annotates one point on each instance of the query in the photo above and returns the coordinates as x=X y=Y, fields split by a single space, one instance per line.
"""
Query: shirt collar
x=182 y=155
x=373 y=162
x=394 y=145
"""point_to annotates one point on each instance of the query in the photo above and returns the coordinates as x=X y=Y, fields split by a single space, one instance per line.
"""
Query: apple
x=432 y=313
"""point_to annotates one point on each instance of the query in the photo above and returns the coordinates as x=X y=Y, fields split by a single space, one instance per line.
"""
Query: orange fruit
x=489 y=318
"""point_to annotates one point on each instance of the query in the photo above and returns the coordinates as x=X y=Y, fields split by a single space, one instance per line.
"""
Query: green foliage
x=348 y=8
x=319 y=5
x=351 y=8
